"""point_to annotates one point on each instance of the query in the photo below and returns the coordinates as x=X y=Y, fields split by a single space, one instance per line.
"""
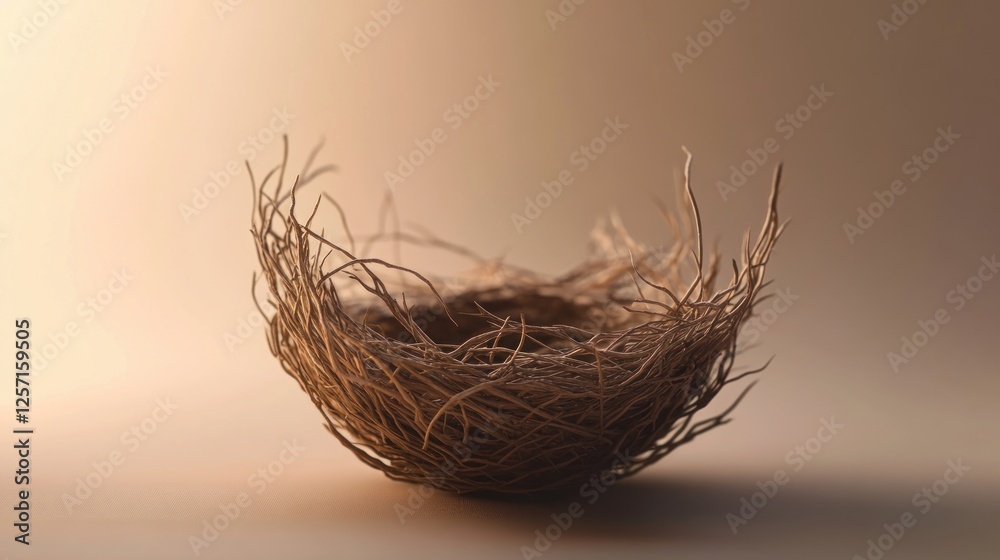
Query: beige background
x=226 y=73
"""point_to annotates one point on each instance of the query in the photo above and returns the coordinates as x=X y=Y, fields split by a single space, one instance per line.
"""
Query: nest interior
x=507 y=381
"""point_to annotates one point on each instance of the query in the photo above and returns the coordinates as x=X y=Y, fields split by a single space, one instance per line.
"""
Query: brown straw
x=512 y=382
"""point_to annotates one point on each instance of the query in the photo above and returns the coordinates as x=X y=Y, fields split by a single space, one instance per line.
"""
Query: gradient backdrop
x=124 y=216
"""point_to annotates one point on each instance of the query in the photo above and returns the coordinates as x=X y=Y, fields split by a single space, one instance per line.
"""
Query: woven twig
x=508 y=383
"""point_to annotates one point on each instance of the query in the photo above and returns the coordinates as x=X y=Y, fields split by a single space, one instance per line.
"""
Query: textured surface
x=530 y=397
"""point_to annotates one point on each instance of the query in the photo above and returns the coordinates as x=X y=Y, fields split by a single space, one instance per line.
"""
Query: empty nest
x=508 y=381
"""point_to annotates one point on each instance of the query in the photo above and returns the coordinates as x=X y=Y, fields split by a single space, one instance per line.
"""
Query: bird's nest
x=508 y=381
